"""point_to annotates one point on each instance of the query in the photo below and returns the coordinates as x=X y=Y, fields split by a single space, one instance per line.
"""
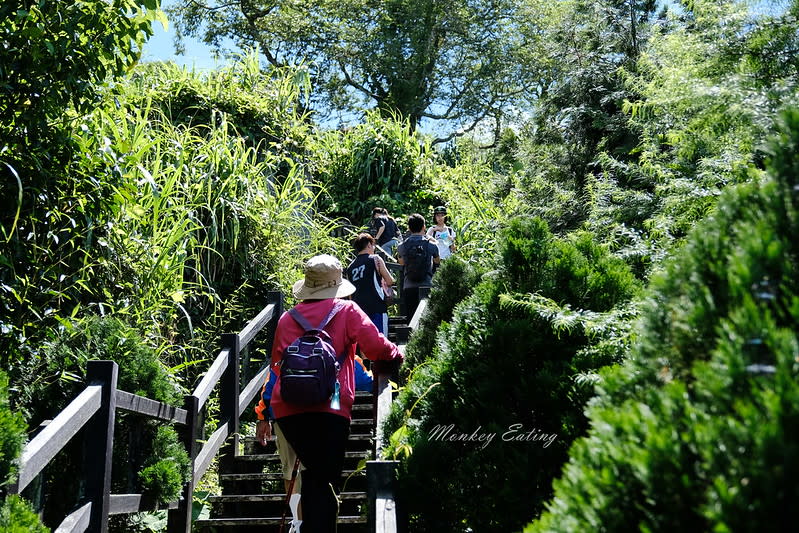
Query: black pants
x=320 y=440
x=411 y=299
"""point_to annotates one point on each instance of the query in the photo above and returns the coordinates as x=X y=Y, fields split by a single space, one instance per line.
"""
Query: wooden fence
x=381 y=474
x=93 y=412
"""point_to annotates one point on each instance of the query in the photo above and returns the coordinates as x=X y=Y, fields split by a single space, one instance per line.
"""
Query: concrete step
x=354 y=437
x=276 y=476
x=273 y=457
x=275 y=497
x=264 y=521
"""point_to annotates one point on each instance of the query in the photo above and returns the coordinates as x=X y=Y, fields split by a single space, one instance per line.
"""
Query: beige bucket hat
x=322 y=280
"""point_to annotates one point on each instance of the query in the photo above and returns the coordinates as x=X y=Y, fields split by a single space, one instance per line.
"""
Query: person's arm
x=384 y=273
x=436 y=257
x=372 y=343
x=452 y=238
x=363 y=379
x=263 y=427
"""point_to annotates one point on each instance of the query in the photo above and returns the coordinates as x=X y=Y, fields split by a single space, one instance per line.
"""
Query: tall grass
x=377 y=163
x=472 y=209
x=205 y=208
x=209 y=222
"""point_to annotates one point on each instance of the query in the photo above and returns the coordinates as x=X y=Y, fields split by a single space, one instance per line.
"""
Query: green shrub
x=454 y=280
x=12 y=435
x=574 y=270
x=50 y=384
x=265 y=106
x=378 y=163
x=512 y=354
x=56 y=55
x=699 y=429
x=16 y=516
x=167 y=469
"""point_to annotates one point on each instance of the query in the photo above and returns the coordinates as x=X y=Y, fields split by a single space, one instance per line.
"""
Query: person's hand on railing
x=263 y=431
x=387 y=367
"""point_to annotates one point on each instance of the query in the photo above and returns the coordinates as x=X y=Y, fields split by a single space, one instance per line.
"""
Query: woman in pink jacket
x=319 y=433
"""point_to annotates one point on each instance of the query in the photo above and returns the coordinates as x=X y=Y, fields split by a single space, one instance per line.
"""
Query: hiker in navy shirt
x=368 y=273
x=417 y=254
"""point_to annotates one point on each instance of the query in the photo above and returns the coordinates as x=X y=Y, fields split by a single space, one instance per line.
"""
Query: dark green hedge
x=15 y=514
x=506 y=364
x=699 y=431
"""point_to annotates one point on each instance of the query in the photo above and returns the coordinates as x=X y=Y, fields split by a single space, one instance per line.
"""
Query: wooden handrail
x=77 y=521
x=211 y=378
x=38 y=452
x=212 y=445
x=256 y=325
x=382 y=409
x=381 y=473
x=93 y=411
x=248 y=394
x=417 y=315
x=145 y=406
x=134 y=503
x=225 y=369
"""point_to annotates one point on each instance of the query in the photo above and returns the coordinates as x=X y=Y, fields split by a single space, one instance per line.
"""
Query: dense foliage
x=55 y=55
x=167 y=468
x=264 y=106
x=504 y=367
x=699 y=428
x=17 y=517
x=15 y=513
x=377 y=163
x=172 y=230
x=148 y=208
x=455 y=280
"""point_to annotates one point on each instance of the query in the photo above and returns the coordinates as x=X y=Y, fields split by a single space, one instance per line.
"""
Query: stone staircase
x=253 y=496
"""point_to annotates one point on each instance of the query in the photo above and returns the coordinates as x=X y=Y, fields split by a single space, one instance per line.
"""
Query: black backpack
x=417 y=263
x=374 y=225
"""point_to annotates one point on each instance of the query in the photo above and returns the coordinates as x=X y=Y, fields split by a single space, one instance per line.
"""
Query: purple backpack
x=309 y=368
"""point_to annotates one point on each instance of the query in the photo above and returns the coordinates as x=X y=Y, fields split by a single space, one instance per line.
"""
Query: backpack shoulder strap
x=304 y=324
x=338 y=306
x=297 y=316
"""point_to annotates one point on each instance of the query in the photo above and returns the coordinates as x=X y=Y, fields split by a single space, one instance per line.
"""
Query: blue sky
x=160 y=48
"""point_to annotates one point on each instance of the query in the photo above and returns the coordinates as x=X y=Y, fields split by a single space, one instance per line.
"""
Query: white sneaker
x=295 y=526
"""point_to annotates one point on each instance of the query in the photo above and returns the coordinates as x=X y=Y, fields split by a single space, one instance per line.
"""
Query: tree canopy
x=459 y=61
x=54 y=53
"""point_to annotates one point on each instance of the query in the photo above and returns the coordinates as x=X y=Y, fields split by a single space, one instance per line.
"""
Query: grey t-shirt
x=432 y=251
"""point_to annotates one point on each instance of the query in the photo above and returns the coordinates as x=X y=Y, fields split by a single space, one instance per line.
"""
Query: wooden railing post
x=179 y=520
x=99 y=443
x=274 y=297
x=229 y=400
x=381 y=480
